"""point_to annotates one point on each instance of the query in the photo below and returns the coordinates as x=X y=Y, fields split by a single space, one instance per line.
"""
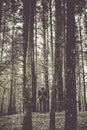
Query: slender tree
x=0 y=12
x=45 y=51
x=4 y=24
x=51 y=30
x=1 y=110
x=78 y=76
x=12 y=107
x=57 y=84
x=27 y=120
x=32 y=16
x=58 y=58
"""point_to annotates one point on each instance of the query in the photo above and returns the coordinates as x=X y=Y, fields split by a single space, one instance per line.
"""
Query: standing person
x=42 y=94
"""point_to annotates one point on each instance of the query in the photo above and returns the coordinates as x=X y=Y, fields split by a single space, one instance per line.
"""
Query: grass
x=41 y=121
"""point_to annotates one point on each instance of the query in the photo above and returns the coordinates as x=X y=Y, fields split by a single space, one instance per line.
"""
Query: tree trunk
x=53 y=108
x=33 y=8
x=58 y=59
x=45 y=51
x=1 y=110
x=12 y=105
x=78 y=76
x=52 y=113
x=0 y=12
x=51 y=30
x=4 y=23
x=71 y=109
x=27 y=119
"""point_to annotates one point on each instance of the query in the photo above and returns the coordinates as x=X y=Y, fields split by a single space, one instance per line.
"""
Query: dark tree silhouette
x=27 y=119
x=31 y=44
x=71 y=110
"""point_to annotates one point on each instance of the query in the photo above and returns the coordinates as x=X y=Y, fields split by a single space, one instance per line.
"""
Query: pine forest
x=43 y=65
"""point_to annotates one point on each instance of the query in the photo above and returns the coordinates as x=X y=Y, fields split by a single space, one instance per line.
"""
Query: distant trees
x=80 y=56
x=12 y=107
x=82 y=59
x=10 y=57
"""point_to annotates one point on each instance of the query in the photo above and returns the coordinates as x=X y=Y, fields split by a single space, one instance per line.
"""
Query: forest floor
x=40 y=121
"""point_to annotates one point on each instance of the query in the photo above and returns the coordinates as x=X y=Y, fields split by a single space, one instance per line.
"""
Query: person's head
x=42 y=88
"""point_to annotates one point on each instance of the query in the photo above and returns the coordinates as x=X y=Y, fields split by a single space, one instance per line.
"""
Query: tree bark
x=45 y=51
x=71 y=109
x=32 y=16
x=4 y=23
x=1 y=110
x=12 y=104
x=0 y=12
x=51 y=30
x=52 y=113
x=27 y=119
x=58 y=58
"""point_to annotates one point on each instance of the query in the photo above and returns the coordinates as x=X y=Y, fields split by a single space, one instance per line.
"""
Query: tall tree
x=58 y=59
x=0 y=12
x=12 y=107
x=31 y=38
x=45 y=47
x=51 y=30
x=27 y=120
x=4 y=25
x=70 y=83
x=57 y=79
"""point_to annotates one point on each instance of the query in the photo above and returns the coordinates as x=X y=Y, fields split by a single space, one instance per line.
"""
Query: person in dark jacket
x=42 y=94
